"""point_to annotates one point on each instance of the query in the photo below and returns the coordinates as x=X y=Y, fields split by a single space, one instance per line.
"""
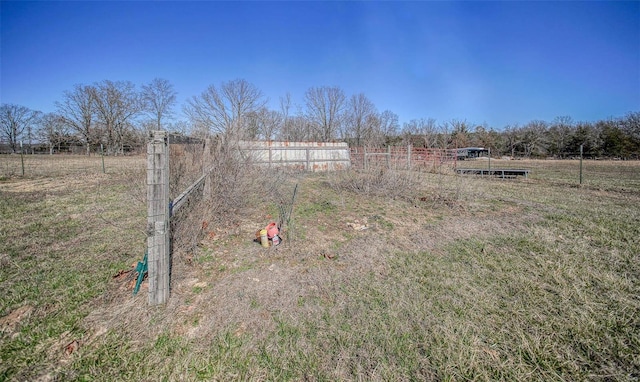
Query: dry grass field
x=386 y=275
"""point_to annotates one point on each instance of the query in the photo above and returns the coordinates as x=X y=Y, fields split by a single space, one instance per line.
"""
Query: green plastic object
x=141 y=268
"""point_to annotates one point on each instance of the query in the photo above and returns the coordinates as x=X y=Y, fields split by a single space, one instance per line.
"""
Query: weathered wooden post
x=207 y=164
x=366 y=164
x=409 y=148
x=581 y=148
x=22 y=157
x=102 y=155
x=158 y=216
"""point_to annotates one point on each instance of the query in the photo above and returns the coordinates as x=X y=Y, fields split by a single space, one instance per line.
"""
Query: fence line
x=407 y=157
x=38 y=165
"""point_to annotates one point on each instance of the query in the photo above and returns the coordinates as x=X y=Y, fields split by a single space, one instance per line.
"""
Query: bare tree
x=285 y=106
x=53 y=131
x=251 y=126
x=360 y=120
x=300 y=129
x=116 y=104
x=223 y=110
x=424 y=129
x=32 y=131
x=486 y=137
x=444 y=134
x=14 y=121
x=511 y=136
x=325 y=106
x=389 y=124
x=630 y=124
x=409 y=131
x=532 y=138
x=560 y=133
x=460 y=133
x=78 y=111
x=268 y=123
x=159 y=97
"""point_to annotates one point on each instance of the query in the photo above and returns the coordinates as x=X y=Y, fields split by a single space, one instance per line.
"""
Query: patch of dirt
x=10 y=323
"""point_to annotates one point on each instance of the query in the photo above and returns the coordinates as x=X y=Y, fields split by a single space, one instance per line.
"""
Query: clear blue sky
x=493 y=62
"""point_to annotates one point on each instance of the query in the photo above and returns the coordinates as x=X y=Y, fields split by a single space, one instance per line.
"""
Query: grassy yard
x=385 y=276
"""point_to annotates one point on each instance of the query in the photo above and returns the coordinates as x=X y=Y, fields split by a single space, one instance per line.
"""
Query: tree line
x=117 y=116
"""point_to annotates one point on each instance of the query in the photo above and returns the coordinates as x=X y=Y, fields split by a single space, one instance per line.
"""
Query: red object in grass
x=272 y=230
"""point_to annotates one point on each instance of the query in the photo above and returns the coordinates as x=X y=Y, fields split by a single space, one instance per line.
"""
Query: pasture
x=387 y=275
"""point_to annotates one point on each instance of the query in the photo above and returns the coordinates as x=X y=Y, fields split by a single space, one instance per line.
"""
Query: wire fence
x=188 y=161
x=588 y=172
x=403 y=157
x=45 y=165
x=191 y=165
x=573 y=170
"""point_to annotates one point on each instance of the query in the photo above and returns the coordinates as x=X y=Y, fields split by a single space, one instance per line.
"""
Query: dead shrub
x=378 y=181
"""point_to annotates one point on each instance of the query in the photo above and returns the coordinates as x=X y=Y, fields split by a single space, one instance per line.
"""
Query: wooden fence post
x=22 y=157
x=366 y=164
x=389 y=157
x=158 y=217
x=581 y=148
x=207 y=164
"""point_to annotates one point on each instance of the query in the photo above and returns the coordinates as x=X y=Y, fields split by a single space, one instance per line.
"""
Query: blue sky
x=493 y=62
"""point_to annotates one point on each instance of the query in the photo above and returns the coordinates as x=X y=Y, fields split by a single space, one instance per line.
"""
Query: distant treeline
x=116 y=116
x=560 y=138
